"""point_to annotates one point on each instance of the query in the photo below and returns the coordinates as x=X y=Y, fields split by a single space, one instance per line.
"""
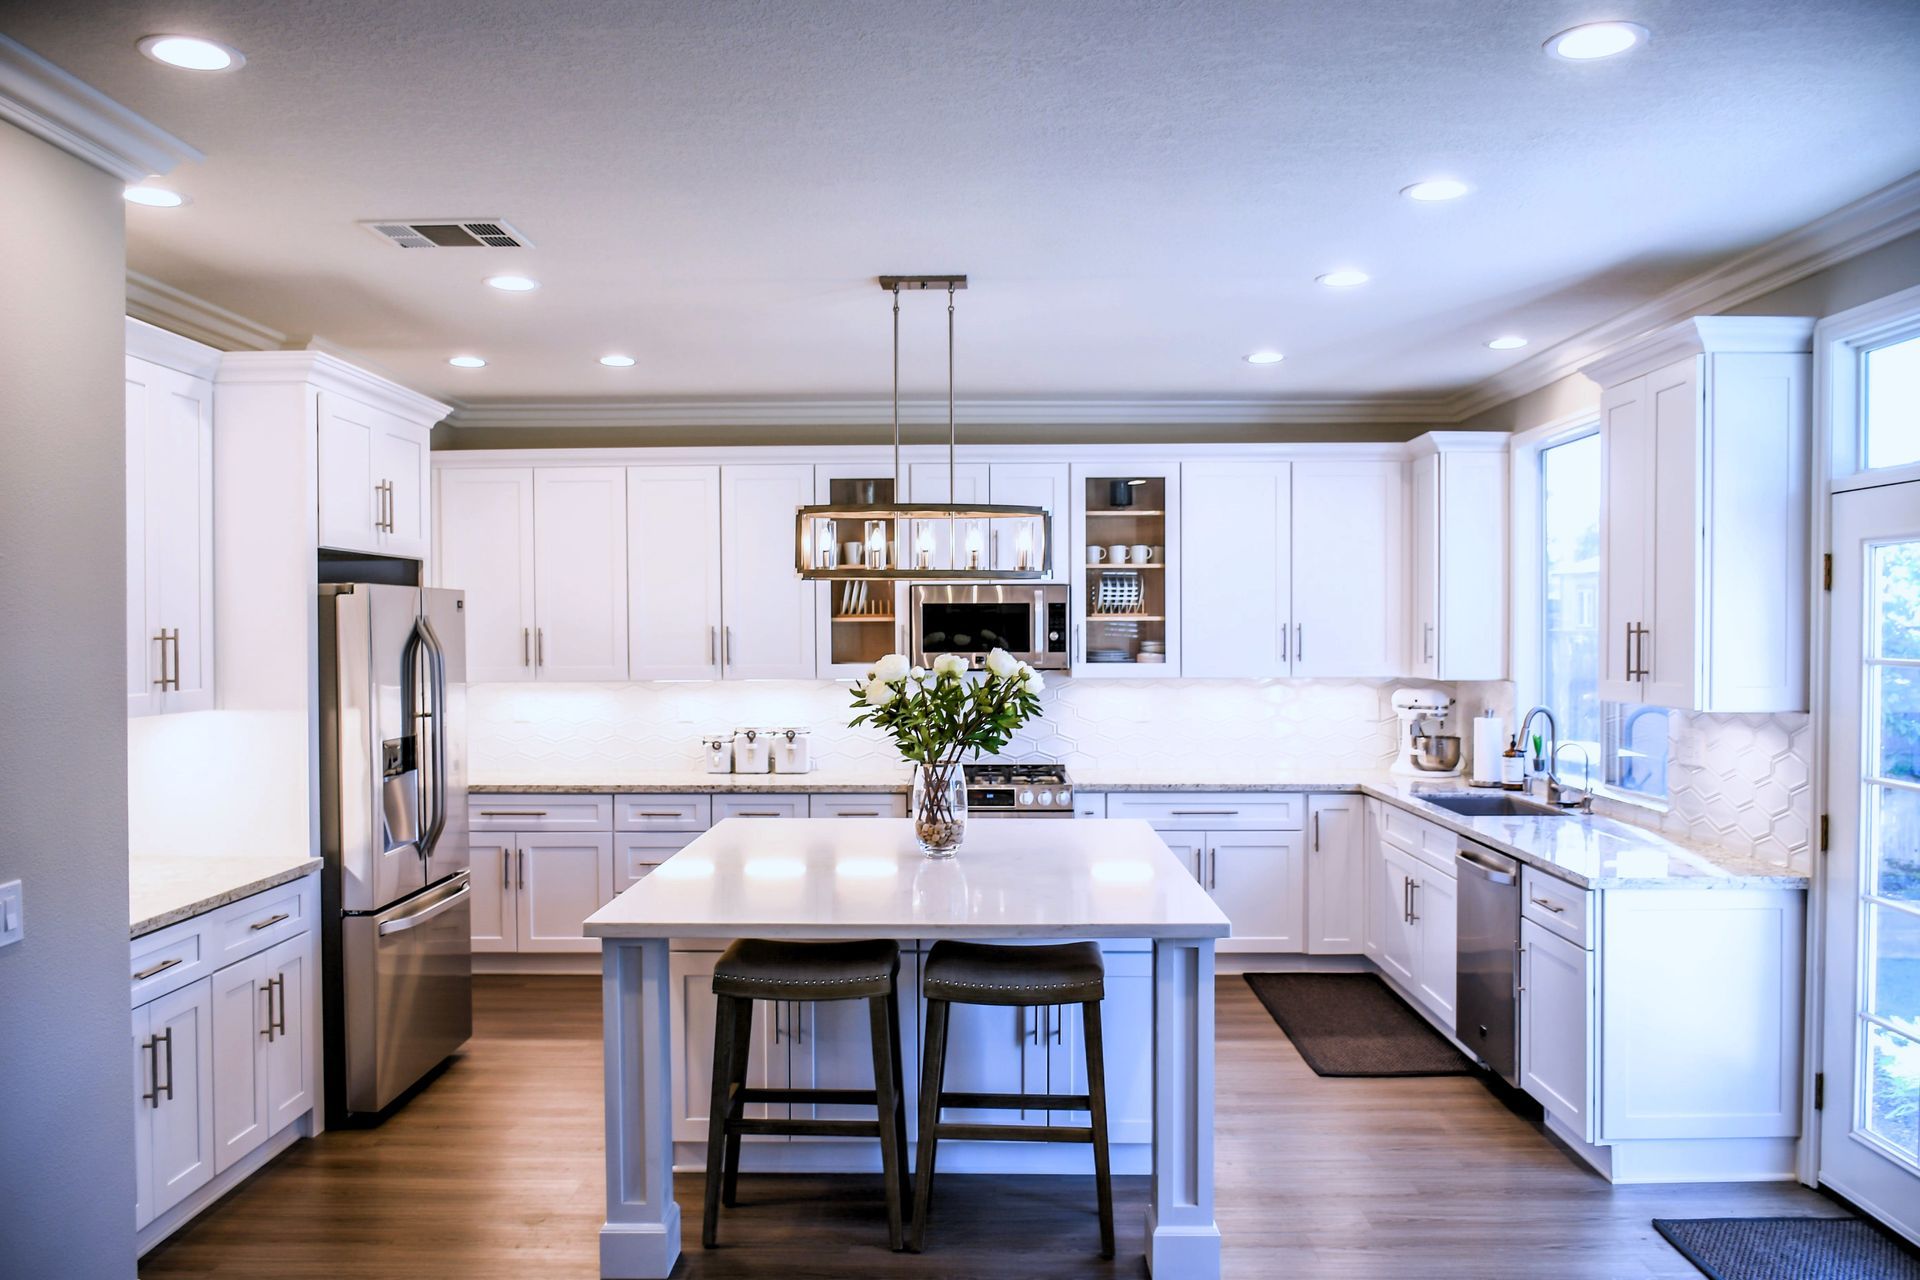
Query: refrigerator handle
x=437 y=719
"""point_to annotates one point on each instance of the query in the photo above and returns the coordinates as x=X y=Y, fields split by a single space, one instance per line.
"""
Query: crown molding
x=176 y=310
x=1851 y=230
x=164 y=347
x=878 y=411
x=328 y=372
x=60 y=108
x=1702 y=335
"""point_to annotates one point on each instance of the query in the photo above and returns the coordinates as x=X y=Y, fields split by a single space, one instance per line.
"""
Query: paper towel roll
x=1489 y=743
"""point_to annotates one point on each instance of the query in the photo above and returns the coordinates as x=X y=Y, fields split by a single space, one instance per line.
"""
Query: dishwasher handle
x=1483 y=866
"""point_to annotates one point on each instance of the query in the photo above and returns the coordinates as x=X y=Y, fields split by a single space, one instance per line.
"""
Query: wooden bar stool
x=1027 y=977
x=752 y=969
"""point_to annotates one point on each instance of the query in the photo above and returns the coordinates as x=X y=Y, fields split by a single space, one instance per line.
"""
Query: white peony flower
x=880 y=693
x=950 y=665
x=1001 y=664
x=891 y=668
x=918 y=673
x=1033 y=683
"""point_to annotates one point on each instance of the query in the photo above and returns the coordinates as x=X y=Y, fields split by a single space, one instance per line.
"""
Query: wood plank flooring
x=495 y=1173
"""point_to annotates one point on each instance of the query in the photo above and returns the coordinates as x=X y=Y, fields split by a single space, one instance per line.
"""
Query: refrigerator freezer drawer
x=409 y=991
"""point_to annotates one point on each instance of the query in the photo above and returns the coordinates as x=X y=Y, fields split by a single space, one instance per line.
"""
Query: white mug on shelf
x=1117 y=553
x=1096 y=554
x=1140 y=553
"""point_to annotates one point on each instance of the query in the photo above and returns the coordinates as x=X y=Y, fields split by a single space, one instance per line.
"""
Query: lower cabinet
x=173 y=1109
x=533 y=890
x=1411 y=927
x=261 y=1054
x=1257 y=877
x=1336 y=874
x=1556 y=1009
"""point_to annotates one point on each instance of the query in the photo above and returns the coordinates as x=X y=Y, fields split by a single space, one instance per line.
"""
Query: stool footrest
x=811 y=1128
x=1018 y=1101
x=1014 y=1132
x=836 y=1097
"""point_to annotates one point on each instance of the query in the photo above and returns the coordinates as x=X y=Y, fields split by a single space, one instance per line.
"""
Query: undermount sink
x=1497 y=806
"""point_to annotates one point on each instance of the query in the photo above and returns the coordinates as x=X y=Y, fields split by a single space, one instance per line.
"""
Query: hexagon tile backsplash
x=1738 y=782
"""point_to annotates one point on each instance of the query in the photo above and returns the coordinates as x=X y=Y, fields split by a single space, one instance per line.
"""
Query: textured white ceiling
x=1141 y=192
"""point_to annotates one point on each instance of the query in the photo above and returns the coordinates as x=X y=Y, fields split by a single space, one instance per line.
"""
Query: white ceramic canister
x=752 y=751
x=792 y=751
x=718 y=750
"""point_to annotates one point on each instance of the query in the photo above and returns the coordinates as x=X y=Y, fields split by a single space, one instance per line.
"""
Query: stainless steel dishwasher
x=1486 y=1008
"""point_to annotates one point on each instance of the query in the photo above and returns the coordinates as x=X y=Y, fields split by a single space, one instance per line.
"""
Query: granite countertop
x=166 y=889
x=657 y=781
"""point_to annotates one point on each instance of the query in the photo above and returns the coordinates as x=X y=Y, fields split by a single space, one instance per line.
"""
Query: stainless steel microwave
x=1027 y=619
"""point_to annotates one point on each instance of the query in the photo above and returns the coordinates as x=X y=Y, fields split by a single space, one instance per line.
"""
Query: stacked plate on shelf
x=1118 y=592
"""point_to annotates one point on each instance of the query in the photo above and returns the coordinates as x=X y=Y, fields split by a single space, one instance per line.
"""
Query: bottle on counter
x=1513 y=766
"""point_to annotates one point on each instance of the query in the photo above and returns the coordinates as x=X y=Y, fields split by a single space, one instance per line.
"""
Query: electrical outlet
x=13 y=924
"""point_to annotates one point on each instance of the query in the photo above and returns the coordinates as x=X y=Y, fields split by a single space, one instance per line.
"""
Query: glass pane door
x=1124 y=541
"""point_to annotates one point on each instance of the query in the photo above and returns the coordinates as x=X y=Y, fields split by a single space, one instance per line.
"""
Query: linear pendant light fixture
x=902 y=540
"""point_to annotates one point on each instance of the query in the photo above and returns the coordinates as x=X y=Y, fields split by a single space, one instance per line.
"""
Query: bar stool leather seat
x=982 y=973
x=760 y=969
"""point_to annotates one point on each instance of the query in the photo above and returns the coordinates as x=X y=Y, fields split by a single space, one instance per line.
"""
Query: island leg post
x=1183 y=1240
x=641 y=1237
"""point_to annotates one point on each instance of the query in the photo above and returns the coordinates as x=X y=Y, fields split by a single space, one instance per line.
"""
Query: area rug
x=1803 y=1248
x=1352 y=1024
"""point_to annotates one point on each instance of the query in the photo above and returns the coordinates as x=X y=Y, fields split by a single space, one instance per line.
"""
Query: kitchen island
x=1014 y=879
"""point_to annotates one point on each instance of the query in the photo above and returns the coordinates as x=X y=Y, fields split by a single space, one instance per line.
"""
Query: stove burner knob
x=1046 y=797
x=1064 y=795
x=1026 y=797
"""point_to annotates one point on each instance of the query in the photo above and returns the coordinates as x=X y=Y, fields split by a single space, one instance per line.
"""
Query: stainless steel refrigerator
x=393 y=829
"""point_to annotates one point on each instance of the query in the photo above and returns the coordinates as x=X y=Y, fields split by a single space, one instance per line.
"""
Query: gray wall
x=66 y=1108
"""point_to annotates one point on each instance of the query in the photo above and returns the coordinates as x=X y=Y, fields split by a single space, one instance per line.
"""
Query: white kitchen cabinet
x=673 y=572
x=1415 y=900
x=994 y=1049
x=373 y=478
x=1436 y=962
x=173 y=1103
x=1349 y=568
x=495 y=910
x=637 y=854
x=484 y=547
x=1033 y=484
x=1399 y=940
x=692 y=1005
x=1704 y=439
x=1556 y=1025
x=828 y=1044
x=262 y=1052
x=1336 y=882
x=767 y=628
x=1120 y=611
x=560 y=880
x=1236 y=529
x=1458 y=546
x=1259 y=879
x=1126 y=1026
x=169 y=441
x=580 y=573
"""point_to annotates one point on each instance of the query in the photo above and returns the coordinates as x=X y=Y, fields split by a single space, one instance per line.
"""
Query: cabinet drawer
x=662 y=813
x=1554 y=904
x=759 y=806
x=253 y=924
x=637 y=853
x=540 y=813
x=878 y=805
x=1400 y=829
x=1211 y=810
x=1090 y=806
x=170 y=958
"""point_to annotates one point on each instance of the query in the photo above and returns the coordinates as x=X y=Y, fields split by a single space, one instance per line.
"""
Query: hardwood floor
x=495 y=1173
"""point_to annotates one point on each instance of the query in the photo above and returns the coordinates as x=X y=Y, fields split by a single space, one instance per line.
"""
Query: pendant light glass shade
x=942 y=541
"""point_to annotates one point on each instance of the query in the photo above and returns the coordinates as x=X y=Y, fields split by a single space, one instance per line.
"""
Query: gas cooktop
x=1019 y=790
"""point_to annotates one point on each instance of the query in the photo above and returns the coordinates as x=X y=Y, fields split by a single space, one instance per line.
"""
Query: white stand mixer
x=1426 y=750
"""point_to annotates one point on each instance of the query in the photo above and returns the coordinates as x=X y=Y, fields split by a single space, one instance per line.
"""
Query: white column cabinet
x=1349 y=567
x=767 y=628
x=580 y=573
x=1458 y=550
x=1704 y=439
x=1236 y=529
x=1336 y=882
x=485 y=548
x=673 y=601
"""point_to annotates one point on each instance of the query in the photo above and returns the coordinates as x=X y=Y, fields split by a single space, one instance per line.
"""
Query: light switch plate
x=12 y=908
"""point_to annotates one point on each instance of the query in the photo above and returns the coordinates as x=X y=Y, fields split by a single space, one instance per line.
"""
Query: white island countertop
x=865 y=878
x=164 y=889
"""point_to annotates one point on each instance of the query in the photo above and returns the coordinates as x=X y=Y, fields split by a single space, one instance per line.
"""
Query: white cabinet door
x=181 y=1144
x=560 y=880
x=994 y=1049
x=495 y=907
x=692 y=1004
x=169 y=437
x=1336 y=874
x=828 y=1045
x=1470 y=611
x=242 y=1019
x=485 y=548
x=400 y=464
x=1236 y=587
x=1435 y=966
x=1126 y=1030
x=1033 y=484
x=673 y=572
x=930 y=482
x=580 y=573
x=767 y=632
x=142 y=1119
x=288 y=1053
x=1190 y=847
x=351 y=509
x=1626 y=525
x=1673 y=554
x=1257 y=877
x=1424 y=572
x=636 y=854
x=1349 y=568
x=1398 y=937
x=1556 y=1019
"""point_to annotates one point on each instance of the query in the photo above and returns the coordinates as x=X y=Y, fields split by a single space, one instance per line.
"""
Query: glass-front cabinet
x=859 y=622
x=1123 y=544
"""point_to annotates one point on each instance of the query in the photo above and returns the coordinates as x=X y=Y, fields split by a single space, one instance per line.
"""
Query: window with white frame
x=1622 y=747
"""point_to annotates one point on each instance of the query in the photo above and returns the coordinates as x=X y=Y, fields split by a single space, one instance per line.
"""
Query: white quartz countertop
x=166 y=889
x=865 y=878
x=668 y=780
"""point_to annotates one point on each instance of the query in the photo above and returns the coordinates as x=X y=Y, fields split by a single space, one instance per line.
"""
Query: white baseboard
x=511 y=962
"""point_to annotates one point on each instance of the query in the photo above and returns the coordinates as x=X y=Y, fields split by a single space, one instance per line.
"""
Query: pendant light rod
x=953 y=436
x=899 y=488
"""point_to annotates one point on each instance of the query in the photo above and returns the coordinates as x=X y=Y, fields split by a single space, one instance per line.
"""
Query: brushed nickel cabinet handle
x=1205 y=813
x=726 y=645
x=520 y=869
x=141 y=975
x=1299 y=642
x=539 y=647
x=759 y=813
x=280 y=1023
x=267 y=991
x=152 y=1096
x=1413 y=916
x=1553 y=907
x=513 y=813
x=167 y=1036
x=1285 y=631
x=712 y=641
x=269 y=922
x=526 y=646
x=506 y=868
x=1316 y=833
x=649 y=813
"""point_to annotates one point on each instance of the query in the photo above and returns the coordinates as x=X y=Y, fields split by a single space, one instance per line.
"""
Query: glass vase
x=938 y=807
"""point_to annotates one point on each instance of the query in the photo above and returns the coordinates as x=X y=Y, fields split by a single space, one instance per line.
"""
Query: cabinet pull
x=1641 y=632
x=1426 y=643
x=269 y=922
x=167 y=1036
x=1520 y=970
x=712 y=633
x=1059 y=1025
x=280 y=1023
x=520 y=869
x=1553 y=907
x=759 y=813
x=267 y=1030
x=539 y=647
x=513 y=813
x=1412 y=915
x=169 y=649
x=1316 y=833
x=1406 y=900
x=856 y=813
x=1285 y=632
x=526 y=646
x=506 y=868
x=726 y=645
x=1033 y=1025
x=152 y=1096
x=1299 y=642
x=654 y=814
x=141 y=975
x=1206 y=813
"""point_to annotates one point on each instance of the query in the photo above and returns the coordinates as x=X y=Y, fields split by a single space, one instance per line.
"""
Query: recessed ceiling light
x=467 y=362
x=1596 y=40
x=1436 y=189
x=193 y=53
x=514 y=284
x=154 y=197
x=1265 y=357
x=617 y=362
x=1509 y=343
x=1344 y=279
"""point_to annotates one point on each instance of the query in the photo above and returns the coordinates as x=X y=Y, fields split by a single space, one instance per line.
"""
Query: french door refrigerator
x=393 y=831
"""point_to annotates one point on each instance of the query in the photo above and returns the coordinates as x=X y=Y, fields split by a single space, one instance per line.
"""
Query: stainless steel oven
x=1028 y=620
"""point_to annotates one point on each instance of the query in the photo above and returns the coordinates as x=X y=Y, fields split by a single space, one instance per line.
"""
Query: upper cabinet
x=767 y=623
x=1123 y=541
x=1458 y=548
x=484 y=546
x=1704 y=440
x=1237 y=527
x=170 y=652
x=374 y=478
x=857 y=623
x=1033 y=484
x=673 y=573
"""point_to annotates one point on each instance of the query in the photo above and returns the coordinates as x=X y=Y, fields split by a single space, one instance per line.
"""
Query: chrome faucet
x=1555 y=791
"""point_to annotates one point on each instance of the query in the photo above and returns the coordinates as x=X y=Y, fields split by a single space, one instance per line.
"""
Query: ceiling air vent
x=449 y=233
